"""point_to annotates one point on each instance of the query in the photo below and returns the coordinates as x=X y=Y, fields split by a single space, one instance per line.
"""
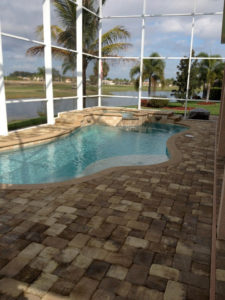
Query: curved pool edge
x=175 y=157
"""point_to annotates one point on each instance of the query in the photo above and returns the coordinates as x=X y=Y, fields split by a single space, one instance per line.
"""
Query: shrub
x=27 y=123
x=144 y=102
x=158 y=103
x=215 y=93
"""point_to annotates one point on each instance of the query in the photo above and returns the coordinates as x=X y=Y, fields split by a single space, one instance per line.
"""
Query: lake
x=22 y=111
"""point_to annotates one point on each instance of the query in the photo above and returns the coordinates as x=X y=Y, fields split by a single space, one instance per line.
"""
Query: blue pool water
x=86 y=151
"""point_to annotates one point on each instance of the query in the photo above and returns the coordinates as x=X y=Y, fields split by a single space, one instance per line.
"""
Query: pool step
x=175 y=118
x=70 y=119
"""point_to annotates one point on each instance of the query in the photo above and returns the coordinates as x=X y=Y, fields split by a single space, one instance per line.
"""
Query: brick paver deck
x=220 y=244
x=132 y=234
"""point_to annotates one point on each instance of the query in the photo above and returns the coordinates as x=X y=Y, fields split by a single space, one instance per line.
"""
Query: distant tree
x=153 y=71
x=169 y=81
x=41 y=72
x=21 y=74
x=182 y=77
x=210 y=71
x=55 y=73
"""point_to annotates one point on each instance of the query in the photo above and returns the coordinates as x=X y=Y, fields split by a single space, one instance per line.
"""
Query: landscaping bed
x=182 y=108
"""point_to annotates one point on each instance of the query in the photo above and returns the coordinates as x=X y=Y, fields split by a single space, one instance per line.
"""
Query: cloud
x=129 y=7
x=124 y=7
x=21 y=17
x=208 y=27
x=173 y=25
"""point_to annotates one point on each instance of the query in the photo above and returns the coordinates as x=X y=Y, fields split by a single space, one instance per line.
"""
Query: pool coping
x=62 y=130
x=175 y=157
x=44 y=139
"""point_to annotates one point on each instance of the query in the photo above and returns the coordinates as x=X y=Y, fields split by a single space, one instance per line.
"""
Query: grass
x=212 y=108
x=108 y=89
x=24 y=90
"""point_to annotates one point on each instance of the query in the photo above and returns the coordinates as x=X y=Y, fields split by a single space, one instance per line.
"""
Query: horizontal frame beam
x=18 y=37
x=161 y=57
x=118 y=96
x=104 y=96
x=45 y=99
x=164 y=15
x=157 y=98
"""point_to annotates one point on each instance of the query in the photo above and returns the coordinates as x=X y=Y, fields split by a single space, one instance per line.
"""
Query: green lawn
x=18 y=90
x=212 y=108
x=23 y=90
x=108 y=89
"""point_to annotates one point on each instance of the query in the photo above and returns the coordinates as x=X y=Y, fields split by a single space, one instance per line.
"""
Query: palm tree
x=209 y=71
x=113 y=40
x=41 y=72
x=153 y=70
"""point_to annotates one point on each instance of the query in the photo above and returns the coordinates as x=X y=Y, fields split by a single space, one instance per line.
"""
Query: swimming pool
x=86 y=151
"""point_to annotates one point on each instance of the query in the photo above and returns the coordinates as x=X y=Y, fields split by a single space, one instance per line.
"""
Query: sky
x=169 y=36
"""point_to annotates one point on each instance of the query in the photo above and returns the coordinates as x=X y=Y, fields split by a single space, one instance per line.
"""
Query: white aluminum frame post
x=100 y=65
x=190 y=60
x=142 y=54
x=3 y=110
x=48 y=61
x=79 y=40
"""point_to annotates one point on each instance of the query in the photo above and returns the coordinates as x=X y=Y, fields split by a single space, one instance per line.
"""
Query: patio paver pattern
x=132 y=234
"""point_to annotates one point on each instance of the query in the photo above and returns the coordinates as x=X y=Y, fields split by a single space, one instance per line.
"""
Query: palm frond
x=55 y=31
x=39 y=50
x=112 y=36
x=134 y=71
x=113 y=49
x=36 y=50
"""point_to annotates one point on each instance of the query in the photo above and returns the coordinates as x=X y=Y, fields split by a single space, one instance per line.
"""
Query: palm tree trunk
x=149 y=86
x=208 y=92
x=204 y=94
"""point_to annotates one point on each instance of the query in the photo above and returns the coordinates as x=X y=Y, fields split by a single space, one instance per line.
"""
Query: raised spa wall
x=121 y=117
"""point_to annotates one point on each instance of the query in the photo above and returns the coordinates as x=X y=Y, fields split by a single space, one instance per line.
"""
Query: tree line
x=205 y=74
x=39 y=73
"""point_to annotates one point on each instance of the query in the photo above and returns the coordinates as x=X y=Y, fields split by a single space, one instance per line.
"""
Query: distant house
x=68 y=80
x=24 y=78
x=37 y=78
x=108 y=82
x=146 y=83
